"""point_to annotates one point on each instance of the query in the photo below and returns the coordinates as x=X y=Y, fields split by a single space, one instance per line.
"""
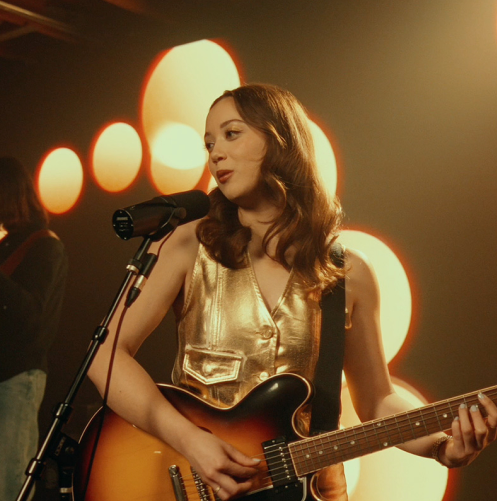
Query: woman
x=33 y=269
x=242 y=280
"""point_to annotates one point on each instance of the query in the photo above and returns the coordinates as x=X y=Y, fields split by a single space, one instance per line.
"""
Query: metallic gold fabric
x=228 y=340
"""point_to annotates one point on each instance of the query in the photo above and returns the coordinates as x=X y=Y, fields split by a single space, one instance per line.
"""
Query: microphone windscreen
x=151 y=217
x=196 y=203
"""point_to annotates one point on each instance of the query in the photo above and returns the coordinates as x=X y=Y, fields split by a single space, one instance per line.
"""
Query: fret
x=412 y=429
x=423 y=421
x=416 y=423
x=438 y=419
x=382 y=430
x=396 y=435
x=369 y=447
x=373 y=427
x=319 y=451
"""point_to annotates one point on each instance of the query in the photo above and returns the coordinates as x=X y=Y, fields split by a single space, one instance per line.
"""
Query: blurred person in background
x=33 y=269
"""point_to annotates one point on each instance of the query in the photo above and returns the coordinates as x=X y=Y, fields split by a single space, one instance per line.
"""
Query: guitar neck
x=312 y=454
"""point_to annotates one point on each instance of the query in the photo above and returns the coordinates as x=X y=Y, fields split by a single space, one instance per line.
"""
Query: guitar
x=131 y=465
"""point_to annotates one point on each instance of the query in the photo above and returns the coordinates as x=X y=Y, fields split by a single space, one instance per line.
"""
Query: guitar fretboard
x=312 y=454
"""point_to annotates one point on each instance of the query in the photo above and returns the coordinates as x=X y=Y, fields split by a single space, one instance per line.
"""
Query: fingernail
x=456 y=418
x=474 y=408
x=463 y=406
x=481 y=396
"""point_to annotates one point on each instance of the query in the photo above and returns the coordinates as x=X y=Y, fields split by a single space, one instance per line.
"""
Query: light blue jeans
x=20 y=400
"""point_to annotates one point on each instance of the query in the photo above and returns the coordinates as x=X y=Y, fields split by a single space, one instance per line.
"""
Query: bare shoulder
x=361 y=278
x=182 y=243
x=176 y=253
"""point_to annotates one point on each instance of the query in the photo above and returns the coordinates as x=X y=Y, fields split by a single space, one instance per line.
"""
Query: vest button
x=267 y=333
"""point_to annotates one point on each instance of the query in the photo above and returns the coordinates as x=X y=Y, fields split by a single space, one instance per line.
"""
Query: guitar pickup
x=279 y=462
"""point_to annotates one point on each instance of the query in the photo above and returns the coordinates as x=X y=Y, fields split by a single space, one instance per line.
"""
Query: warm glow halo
x=178 y=158
x=183 y=85
x=180 y=147
x=395 y=292
x=393 y=474
x=60 y=180
x=325 y=158
x=117 y=157
x=352 y=471
x=212 y=184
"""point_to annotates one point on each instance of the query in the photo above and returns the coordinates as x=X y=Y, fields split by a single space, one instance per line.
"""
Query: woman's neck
x=259 y=222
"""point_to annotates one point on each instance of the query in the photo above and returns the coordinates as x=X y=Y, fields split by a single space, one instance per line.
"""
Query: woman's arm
x=369 y=382
x=134 y=395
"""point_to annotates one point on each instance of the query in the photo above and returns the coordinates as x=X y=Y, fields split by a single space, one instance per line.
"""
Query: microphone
x=160 y=215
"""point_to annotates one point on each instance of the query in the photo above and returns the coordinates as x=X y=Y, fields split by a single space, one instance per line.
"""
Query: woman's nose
x=217 y=154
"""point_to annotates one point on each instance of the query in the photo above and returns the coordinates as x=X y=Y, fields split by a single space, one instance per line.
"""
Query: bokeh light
x=352 y=470
x=393 y=474
x=180 y=90
x=395 y=292
x=117 y=157
x=325 y=158
x=178 y=156
x=60 y=180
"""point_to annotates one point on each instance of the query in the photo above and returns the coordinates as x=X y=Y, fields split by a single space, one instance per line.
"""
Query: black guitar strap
x=326 y=405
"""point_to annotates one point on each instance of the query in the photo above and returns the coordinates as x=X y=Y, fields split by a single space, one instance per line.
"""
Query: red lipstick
x=223 y=175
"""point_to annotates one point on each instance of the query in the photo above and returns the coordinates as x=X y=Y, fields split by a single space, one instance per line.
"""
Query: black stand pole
x=56 y=444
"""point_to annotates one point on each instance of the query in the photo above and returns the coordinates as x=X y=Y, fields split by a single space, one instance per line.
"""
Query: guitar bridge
x=178 y=484
x=202 y=489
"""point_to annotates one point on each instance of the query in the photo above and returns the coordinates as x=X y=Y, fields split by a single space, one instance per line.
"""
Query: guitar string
x=382 y=438
x=428 y=416
x=265 y=478
x=431 y=417
x=433 y=412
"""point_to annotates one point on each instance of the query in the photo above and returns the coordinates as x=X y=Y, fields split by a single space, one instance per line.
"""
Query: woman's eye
x=209 y=146
x=230 y=134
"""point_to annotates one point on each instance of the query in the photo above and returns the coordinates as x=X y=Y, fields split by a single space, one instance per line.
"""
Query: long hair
x=309 y=219
x=19 y=202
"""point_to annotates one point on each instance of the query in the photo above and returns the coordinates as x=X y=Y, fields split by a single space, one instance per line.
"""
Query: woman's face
x=236 y=151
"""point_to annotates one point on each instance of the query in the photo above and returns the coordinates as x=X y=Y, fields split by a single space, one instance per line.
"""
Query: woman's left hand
x=471 y=433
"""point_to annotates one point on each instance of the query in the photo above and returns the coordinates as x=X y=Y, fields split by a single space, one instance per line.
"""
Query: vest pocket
x=210 y=366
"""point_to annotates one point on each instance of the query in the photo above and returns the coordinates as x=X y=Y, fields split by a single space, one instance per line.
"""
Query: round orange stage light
x=60 y=180
x=117 y=157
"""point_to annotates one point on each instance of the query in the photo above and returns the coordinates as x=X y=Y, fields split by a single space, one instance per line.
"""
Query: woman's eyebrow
x=224 y=124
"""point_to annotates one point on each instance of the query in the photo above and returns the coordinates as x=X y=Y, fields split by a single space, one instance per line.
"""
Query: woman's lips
x=223 y=175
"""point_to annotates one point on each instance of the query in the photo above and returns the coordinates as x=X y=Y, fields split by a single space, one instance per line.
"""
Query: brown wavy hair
x=19 y=201
x=309 y=219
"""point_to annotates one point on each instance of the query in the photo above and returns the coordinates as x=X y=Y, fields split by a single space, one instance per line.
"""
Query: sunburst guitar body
x=119 y=462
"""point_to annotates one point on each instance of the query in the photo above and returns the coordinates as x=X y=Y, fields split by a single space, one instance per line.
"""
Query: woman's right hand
x=228 y=471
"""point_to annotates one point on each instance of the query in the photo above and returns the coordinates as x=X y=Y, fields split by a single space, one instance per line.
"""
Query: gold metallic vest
x=229 y=342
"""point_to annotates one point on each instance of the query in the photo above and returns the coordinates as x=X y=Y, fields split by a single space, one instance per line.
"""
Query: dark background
x=408 y=93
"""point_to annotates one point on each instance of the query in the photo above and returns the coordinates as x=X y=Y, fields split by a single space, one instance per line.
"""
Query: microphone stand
x=56 y=445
